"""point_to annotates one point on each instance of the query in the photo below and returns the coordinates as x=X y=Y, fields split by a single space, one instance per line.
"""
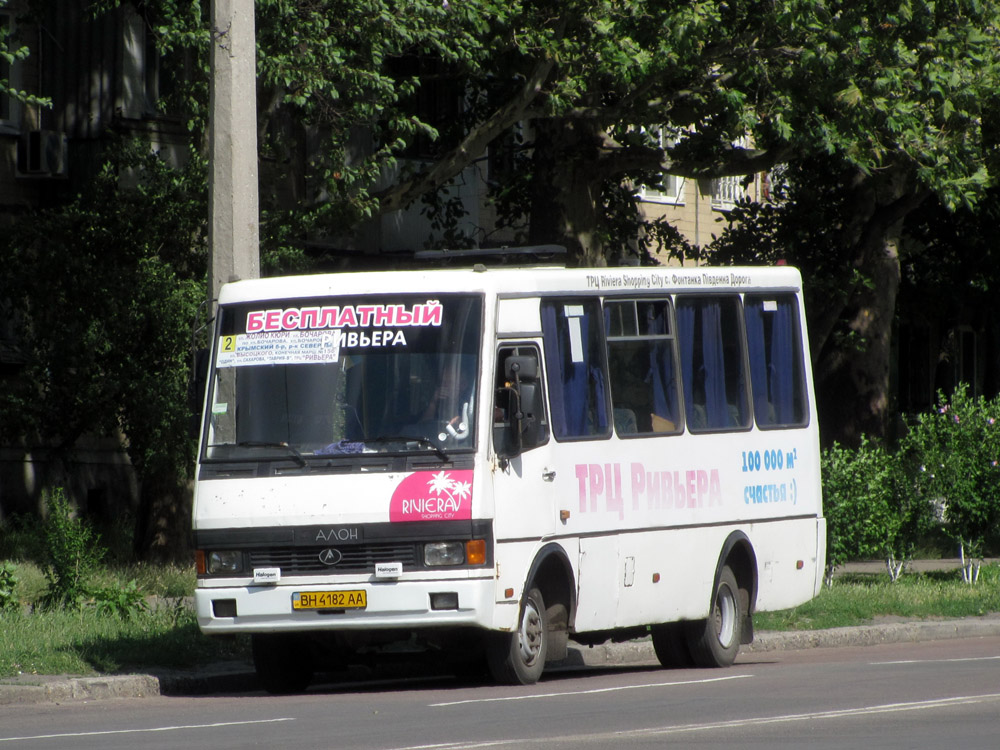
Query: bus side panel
x=666 y=575
x=779 y=547
x=599 y=583
x=820 y=555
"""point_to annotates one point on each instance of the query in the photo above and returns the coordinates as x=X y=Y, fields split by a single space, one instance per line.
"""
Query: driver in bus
x=449 y=415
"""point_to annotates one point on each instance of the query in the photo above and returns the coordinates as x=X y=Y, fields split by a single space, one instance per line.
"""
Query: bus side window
x=777 y=373
x=712 y=363
x=576 y=368
x=642 y=366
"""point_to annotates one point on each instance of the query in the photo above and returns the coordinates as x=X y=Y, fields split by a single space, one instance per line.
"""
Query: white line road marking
x=813 y=715
x=144 y=731
x=932 y=661
x=589 y=692
x=610 y=739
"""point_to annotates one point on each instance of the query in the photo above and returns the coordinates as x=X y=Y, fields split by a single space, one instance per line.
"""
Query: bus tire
x=282 y=665
x=714 y=642
x=518 y=658
x=670 y=643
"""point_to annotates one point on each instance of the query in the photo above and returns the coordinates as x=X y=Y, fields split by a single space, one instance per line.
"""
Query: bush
x=952 y=454
x=945 y=477
x=863 y=504
x=72 y=553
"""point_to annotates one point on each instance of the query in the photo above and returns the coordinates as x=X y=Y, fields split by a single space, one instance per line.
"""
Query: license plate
x=329 y=600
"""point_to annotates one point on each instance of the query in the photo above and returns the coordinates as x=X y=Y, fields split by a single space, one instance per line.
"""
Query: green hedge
x=943 y=478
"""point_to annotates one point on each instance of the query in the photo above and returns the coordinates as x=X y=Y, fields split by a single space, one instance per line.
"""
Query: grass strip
x=86 y=642
x=861 y=598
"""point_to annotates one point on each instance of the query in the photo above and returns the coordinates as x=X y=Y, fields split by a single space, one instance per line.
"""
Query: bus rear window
x=777 y=372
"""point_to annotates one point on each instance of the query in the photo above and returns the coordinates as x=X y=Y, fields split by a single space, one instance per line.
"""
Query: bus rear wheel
x=670 y=642
x=282 y=664
x=518 y=658
x=716 y=641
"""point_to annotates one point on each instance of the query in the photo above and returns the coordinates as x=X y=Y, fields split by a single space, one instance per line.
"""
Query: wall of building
x=700 y=209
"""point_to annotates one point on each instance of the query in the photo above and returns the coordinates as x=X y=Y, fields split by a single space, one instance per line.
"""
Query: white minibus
x=493 y=462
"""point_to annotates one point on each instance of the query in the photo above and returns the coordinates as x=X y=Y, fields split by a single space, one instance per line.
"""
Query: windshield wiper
x=421 y=439
x=296 y=456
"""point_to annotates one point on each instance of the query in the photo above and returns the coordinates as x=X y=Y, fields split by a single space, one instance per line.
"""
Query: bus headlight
x=472 y=552
x=444 y=553
x=225 y=561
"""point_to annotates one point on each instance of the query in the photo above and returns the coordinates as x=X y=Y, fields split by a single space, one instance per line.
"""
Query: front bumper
x=397 y=604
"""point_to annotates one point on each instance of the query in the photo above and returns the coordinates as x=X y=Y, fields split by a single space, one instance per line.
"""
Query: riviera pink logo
x=433 y=496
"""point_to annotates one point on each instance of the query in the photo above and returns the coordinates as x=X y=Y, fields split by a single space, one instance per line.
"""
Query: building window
x=670 y=188
x=727 y=192
x=147 y=79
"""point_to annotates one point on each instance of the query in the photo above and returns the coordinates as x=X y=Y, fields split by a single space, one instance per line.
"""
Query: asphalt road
x=934 y=694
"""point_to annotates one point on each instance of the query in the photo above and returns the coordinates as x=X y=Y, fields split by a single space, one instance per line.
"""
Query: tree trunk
x=853 y=376
x=566 y=190
x=852 y=371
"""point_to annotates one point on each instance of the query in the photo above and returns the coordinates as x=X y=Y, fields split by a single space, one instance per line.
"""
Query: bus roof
x=507 y=281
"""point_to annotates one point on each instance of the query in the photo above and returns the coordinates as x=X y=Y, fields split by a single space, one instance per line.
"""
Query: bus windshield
x=339 y=376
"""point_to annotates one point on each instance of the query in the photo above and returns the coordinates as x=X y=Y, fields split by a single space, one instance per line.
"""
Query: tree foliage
x=872 y=107
x=12 y=52
x=106 y=290
x=896 y=91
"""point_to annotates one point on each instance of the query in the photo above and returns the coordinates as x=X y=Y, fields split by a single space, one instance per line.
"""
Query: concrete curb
x=239 y=678
x=873 y=635
x=66 y=689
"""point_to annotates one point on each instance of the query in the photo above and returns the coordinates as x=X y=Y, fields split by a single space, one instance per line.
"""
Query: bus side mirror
x=525 y=429
x=529 y=423
x=520 y=368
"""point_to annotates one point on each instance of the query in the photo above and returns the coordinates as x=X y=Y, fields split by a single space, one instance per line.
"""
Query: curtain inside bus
x=712 y=365
x=575 y=368
x=776 y=368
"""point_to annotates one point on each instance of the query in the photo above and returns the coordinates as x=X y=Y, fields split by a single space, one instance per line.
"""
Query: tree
x=893 y=95
x=107 y=288
x=882 y=96
x=877 y=104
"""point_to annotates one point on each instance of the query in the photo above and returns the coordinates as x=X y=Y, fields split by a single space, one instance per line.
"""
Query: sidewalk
x=240 y=678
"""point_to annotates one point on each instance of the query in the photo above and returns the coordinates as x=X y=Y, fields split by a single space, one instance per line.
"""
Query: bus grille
x=355 y=559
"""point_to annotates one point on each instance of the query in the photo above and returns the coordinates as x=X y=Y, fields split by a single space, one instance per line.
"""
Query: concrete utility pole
x=234 y=234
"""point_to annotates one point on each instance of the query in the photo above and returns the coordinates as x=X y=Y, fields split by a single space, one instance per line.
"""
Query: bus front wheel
x=715 y=642
x=518 y=658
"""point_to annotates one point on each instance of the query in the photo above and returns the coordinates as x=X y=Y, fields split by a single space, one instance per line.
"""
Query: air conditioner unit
x=43 y=153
